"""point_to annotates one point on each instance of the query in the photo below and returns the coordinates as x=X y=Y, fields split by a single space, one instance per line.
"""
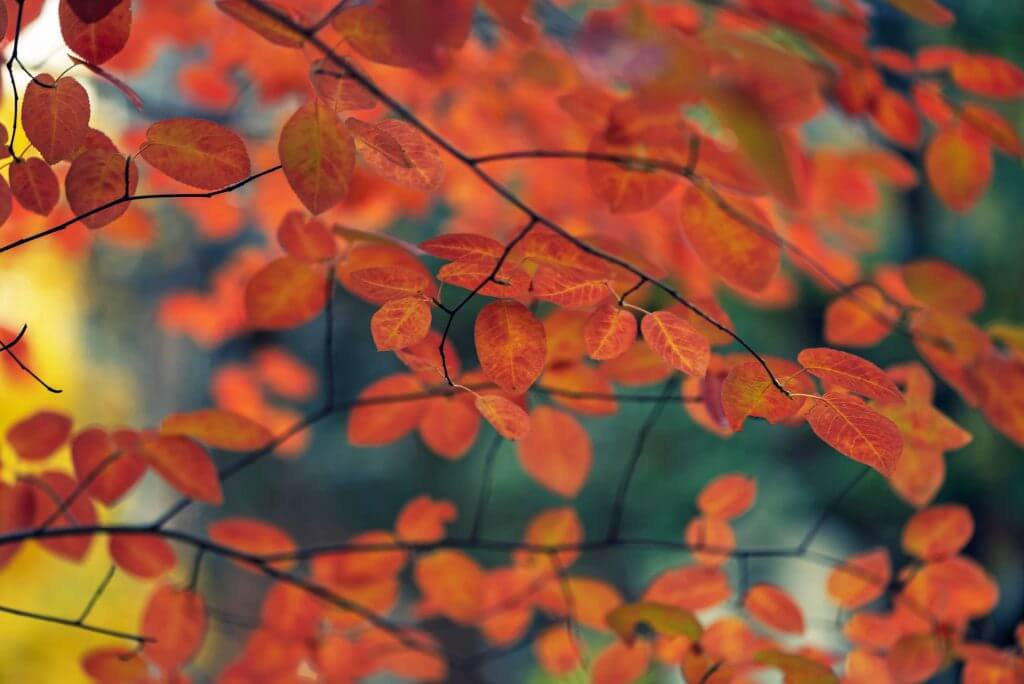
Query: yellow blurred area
x=43 y=286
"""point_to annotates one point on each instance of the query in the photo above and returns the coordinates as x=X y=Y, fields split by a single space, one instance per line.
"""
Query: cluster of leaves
x=685 y=118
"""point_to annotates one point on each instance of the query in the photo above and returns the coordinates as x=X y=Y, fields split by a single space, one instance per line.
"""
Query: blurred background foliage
x=98 y=339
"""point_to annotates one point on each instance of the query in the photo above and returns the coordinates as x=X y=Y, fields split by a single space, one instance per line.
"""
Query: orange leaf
x=115 y=665
x=423 y=520
x=456 y=246
x=37 y=437
x=510 y=344
x=916 y=657
x=398 y=152
x=260 y=22
x=677 y=342
x=691 y=587
x=34 y=185
x=142 y=556
x=773 y=607
x=958 y=162
x=557 y=451
x=896 y=119
x=627 y=187
x=380 y=284
x=953 y=590
x=609 y=332
x=988 y=76
x=860 y=318
x=196 y=152
x=218 y=428
x=284 y=294
x=451 y=584
x=748 y=391
x=97 y=178
x=184 y=465
x=727 y=496
x=847 y=425
x=376 y=421
x=347 y=569
x=254 y=537
x=618 y=663
x=48 y=490
x=710 y=539
x=860 y=579
x=91 y=447
x=938 y=532
x=306 y=240
x=471 y=273
x=318 y=156
x=337 y=89
x=850 y=372
x=557 y=650
x=743 y=253
x=551 y=528
x=100 y=40
x=449 y=427
x=400 y=323
x=176 y=619
x=797 y=669
x=568 y=287
x=510 y=421
x=55 y=116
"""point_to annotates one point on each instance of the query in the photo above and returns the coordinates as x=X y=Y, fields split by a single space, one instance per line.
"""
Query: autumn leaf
x=677 y=342
x=196 y=152
x=373 y=424
x=928 y=11
x=176 y=619
x=38 y=436
x=510 y=344
x=727 y=496
x=379 y=284
x=141 y=555
x=860 y=579
x=744 y=253
x=773 y=607
x=253 y=537
x=510 y=421
x=110 y=462
x=958 y=162
x=34 y=185
x=306 y=240
x=284 y=294
x=938 y=532
x=851 y=372
x=55 y=115
x=98 y=178
x=556 y=452
x=398 y=152
x=449 y=427
x=218 y=428
x=400 y=323
x=455 y=246
x=609 y=331
x=100 y=40
x=568 y=287
x=318 y=156
x=847 y=425
x=184 y=465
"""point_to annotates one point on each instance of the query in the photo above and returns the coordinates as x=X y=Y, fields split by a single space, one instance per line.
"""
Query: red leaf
x=262 y=23
x=97 y=178
x=510 y=421
x=184 y=465
x=398 y=152
x=37 y=437
x=55 y=116
x=306 y=240
x=556 y=452
x=376 y=421
x=99 y=40
x=510 y=343
x=850 y=372
x=400 y=323
x=851 y=428
x=218 y=428
x=197 y=152
x=318 y=156
x=176 y=619
x=254 y=537
x=609 y=332
x=677 y=342
x=142 y=555
x=91 y=447
x=284 y=294
x=34 y=185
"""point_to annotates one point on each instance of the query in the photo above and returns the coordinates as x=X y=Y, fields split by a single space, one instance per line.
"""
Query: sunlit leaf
x=318 y=156
x=197 y=152
x=510 y=344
